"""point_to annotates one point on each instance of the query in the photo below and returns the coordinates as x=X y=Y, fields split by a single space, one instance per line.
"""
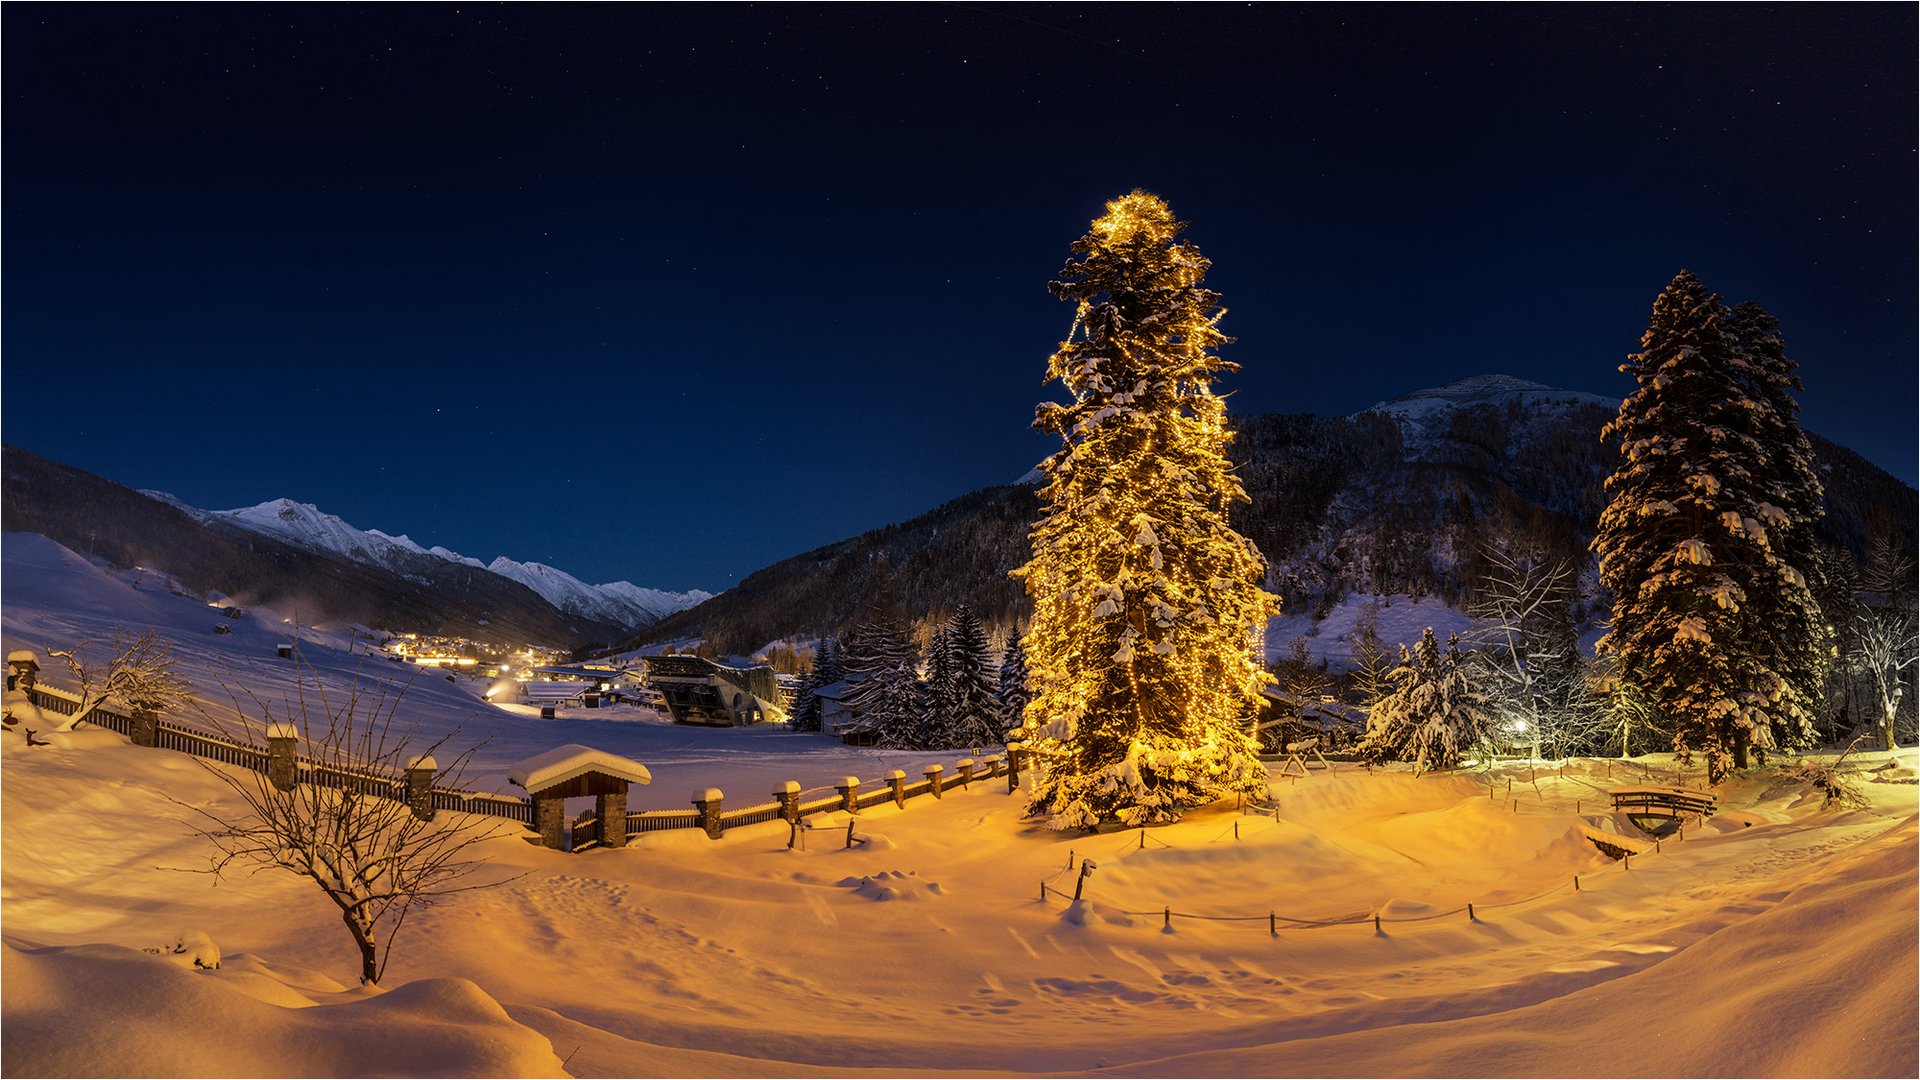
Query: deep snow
x=1778 y=938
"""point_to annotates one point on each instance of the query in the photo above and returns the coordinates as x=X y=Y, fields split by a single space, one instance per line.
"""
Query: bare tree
x=1528 y=644
x=140 y=675
x=1887 y=647
x=345 y=823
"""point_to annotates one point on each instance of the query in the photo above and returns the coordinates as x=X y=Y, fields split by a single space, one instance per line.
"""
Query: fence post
x=992 y=762
x=849 y=789
x=897 y=780
x=707 y=801
x=146 y=727
x=789 y=796
x=281 y=739
x=933 y=776
x=420 y=786
x=966 y=774
x=1013 y=767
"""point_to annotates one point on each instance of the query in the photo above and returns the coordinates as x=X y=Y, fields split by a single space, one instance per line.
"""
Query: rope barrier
x=1274 y=918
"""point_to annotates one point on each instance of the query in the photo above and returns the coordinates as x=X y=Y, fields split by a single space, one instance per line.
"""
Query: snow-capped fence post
x=789 y=798
x=992 y=762
x=897 y=780
x=145 y=729
x=966 y=774
x=281 y=739
x=707 y=802
x=933 y=777
x=23 y=670
x=1013 y=767
x=849 y=789
x=420 y=772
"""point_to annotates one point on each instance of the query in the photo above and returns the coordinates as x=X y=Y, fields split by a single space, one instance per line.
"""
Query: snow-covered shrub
x=1436 y=711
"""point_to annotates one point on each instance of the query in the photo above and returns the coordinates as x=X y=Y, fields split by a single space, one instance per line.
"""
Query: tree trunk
x=369 y=954
x=1886 y=729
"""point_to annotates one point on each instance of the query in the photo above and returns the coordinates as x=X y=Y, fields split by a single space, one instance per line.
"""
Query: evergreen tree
x=1146 y=601
x=875 y=655
x=1435 y=712
x=1798 y=640
x=939 y=689
x=1013 y=685
x=825 y=672
x=973 y=706
x=1685 y=540
x=896 y=709
x=1371 y=667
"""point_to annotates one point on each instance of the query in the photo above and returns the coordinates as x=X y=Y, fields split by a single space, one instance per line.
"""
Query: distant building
x=699 y=691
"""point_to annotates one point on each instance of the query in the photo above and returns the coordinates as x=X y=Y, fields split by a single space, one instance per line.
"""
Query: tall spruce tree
x=825 y=672
x=939 y=691
x=973 y=706
x=1141 y=649
x=1800 y=636
x=876 y=655
x=1013 y=685
x=1685 y=542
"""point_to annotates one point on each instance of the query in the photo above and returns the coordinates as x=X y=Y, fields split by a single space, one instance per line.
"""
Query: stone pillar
x=550 y=821
x=612 y=808
x=281 y=742
x=707 y=801
x=146 y=727
x=849 y=789
x=933 y=776
x=23 y=670
x=789 y=797
x=420 y=772
x=966 y=773
x=897 y=780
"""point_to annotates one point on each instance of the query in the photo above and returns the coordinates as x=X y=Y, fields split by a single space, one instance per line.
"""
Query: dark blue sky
x=669 y=292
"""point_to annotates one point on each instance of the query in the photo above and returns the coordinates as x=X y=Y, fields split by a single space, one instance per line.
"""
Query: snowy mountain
x=619 y=602
x=1397 y=499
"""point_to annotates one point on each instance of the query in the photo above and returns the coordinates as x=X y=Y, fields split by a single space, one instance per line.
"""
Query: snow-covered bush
x=1436 y=712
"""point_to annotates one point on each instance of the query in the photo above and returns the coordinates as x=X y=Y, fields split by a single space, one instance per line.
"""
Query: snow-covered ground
x=1779 y=938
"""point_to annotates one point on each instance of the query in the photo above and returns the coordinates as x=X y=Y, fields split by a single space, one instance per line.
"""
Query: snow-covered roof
x=564 y=763
x=23 y=656
x=557 y=691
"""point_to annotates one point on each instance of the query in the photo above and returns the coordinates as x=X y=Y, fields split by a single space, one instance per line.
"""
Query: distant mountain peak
x=1484 y=390
x=619 y=604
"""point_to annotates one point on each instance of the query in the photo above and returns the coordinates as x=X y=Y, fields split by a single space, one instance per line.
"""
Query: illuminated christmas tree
x=1143 y=650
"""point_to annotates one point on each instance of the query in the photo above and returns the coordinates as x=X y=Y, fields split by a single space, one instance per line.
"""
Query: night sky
x=670 y=292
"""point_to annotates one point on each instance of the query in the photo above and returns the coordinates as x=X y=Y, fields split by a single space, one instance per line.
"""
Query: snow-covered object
x=193 y=948
x=564 y=763
x=22 y=656
x=893 y=885
x=423 y=761
x=309 y=526
x=709 y=795
x=280 y=729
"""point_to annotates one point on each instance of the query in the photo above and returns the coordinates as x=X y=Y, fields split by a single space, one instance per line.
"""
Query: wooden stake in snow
x=1470 y=917
x=1086 y=870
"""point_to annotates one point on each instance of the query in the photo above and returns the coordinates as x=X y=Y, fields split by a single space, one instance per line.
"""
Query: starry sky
x=669 y=292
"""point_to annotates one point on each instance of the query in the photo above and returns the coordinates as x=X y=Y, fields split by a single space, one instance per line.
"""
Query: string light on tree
x=1142 y=655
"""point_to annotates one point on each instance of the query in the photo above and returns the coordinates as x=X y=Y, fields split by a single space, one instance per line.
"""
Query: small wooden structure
x=572 y=771
x=1295 y=760
x=1658 y=811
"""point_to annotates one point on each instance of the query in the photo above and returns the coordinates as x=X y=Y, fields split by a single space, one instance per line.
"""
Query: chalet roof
x=564 y=763
x=557 y=691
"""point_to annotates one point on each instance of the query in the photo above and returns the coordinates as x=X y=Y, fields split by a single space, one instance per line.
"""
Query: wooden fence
x=372 y=782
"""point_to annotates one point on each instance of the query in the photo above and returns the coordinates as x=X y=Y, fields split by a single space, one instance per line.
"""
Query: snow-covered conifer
x=1141 y=650
x=973 y=706
x=1799 y=637
x=1013 y=684
x=1436 y=711
x=1685 y=542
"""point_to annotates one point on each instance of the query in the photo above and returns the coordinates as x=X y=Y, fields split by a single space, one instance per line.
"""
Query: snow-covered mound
x=620 y=602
